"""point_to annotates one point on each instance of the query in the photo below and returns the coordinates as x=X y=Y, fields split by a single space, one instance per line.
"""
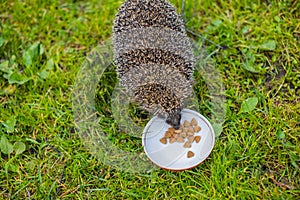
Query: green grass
x=256 y=156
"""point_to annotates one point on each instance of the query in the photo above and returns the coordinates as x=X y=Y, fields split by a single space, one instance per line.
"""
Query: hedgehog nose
x=176 y=126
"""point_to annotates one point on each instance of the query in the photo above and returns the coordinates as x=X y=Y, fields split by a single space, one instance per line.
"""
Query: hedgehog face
x=174 y=119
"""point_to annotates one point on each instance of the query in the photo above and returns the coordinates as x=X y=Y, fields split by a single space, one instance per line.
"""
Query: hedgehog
x=154 y=57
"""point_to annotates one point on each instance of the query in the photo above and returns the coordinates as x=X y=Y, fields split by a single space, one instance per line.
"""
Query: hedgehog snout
x=174 y=120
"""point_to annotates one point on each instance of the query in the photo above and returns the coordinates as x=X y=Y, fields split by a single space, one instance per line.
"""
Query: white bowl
x=174 y=156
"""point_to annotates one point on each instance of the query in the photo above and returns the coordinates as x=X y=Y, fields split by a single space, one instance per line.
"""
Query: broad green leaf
x=43 y=74
x=10 y=124
x=17 y=78
x=1 y=41
x=249 y=63
x=13 y=58
x=41 y=49
x=4 y=67
x=35 y=50
x=217 y=129
x=250 y=56
x=27 y=58
x=19 y=147
x=277 y=19
x=268 y=45
x=249 y=104
x=6 y=76
x=5 y=146
x=32 y=53
x=280 y=134
x=216 y=22
x=12 y=167
x=50 y=64
x=245 y=29
x=249 y=67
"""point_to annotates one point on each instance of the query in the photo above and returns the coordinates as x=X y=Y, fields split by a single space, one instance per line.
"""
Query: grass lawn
x=42 y=47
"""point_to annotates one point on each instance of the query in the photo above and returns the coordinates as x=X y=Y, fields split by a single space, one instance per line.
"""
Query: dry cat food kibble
x=185 y=134
x=190 y=154
x=197 y=138
x=163 y=140
x=187 y=144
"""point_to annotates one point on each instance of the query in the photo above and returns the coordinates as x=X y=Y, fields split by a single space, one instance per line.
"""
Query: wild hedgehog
x=154 y=57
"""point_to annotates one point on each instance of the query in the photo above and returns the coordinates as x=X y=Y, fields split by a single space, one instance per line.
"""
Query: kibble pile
x=185 y=134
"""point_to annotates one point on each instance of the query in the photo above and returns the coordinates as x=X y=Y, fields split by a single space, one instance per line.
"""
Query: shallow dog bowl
x=174 y=156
